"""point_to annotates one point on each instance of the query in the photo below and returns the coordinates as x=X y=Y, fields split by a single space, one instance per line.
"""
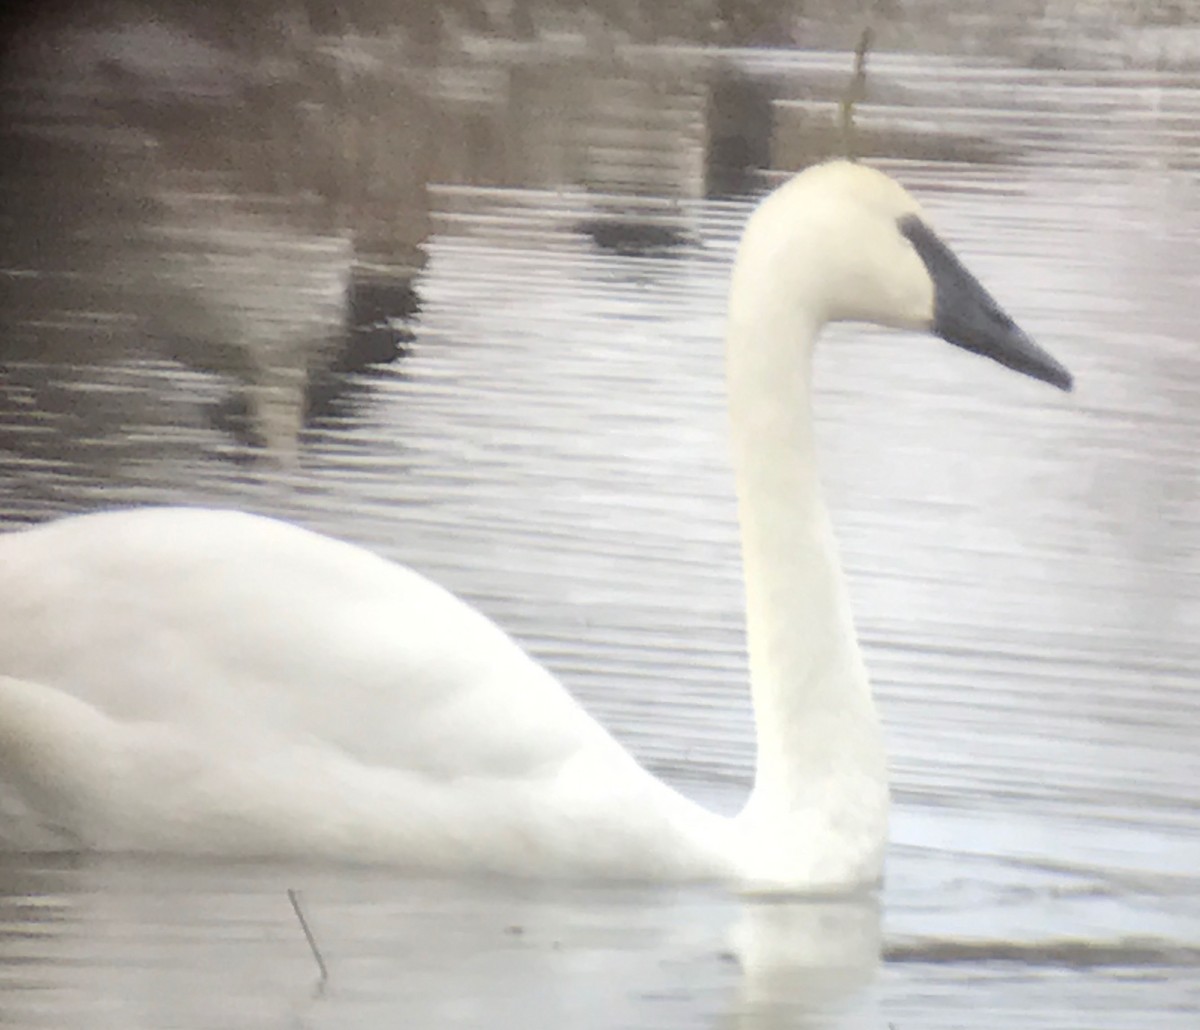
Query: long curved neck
x=820 y=773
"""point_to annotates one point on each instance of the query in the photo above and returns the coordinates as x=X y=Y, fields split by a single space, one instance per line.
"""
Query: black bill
x=966 y=315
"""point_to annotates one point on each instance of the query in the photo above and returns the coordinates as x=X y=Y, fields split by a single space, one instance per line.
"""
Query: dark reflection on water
x=458 y=297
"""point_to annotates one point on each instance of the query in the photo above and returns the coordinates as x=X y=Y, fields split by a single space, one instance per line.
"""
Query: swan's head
x=844 y=242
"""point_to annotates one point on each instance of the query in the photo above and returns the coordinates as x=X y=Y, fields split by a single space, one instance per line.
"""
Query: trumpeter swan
x=197 y=681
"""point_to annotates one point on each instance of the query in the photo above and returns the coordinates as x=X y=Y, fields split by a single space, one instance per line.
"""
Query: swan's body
x=207 y=682
x=266 y=690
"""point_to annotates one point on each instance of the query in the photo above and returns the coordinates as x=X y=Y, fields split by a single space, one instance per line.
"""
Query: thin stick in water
x=294 y=898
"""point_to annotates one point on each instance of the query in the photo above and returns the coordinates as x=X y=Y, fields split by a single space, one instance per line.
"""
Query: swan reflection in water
x=213 y=683
x=226 y=950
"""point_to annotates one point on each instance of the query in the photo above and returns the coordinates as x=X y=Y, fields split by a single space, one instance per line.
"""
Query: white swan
x=209 y=682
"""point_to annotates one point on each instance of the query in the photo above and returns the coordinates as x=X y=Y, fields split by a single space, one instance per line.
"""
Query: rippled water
x=551 y=445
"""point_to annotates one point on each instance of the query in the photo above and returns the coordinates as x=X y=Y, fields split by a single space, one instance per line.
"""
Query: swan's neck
x=818 y=808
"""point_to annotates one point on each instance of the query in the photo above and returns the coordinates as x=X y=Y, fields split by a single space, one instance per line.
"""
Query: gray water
x=551 y=445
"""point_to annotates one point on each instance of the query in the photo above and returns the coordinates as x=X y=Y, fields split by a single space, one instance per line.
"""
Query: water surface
x=538 y=423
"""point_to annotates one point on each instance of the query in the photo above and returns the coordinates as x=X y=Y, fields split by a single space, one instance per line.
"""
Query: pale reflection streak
x=195 y=946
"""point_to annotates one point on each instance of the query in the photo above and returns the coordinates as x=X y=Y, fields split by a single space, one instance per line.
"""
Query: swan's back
x=299 y=695
x=238 y=623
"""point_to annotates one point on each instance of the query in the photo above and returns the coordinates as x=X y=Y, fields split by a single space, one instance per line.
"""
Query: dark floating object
x=634 y=238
